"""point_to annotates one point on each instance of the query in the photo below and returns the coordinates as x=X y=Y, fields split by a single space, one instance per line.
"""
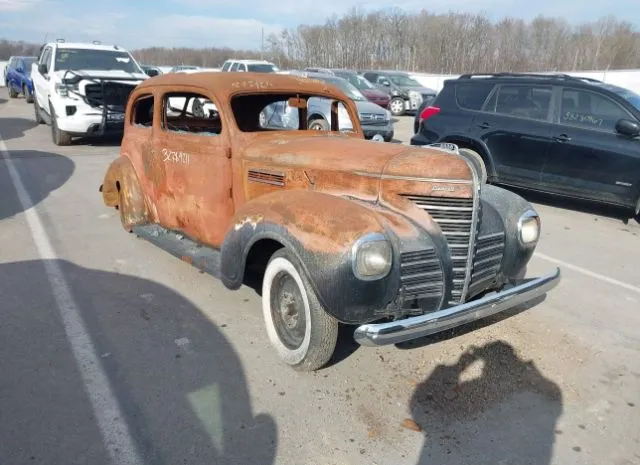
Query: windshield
x=88 y=59
x=403 y=81
x=357 y=81
x=262 y=68
x=345 y=86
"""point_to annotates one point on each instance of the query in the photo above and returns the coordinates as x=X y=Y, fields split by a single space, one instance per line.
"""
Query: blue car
x=18 y=77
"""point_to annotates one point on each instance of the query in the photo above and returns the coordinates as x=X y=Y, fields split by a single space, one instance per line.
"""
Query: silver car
x=375 y=121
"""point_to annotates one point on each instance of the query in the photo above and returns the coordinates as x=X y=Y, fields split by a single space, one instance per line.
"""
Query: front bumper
x=424 y=325
x=384 y=131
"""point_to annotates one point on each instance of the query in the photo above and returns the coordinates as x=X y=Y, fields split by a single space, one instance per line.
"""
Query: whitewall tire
x=303 y=334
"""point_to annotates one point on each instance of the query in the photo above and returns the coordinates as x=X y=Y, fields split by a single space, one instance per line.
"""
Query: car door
x=588 y=158
x=11 y=73
x=194 y=154
x=41 y=81
x=515 y=126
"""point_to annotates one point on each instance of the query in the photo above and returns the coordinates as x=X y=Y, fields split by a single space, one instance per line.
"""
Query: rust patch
x=187 y=259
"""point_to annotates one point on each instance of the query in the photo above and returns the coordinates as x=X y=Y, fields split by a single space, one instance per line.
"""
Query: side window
x=242 y=67
x=371 y=77
x=280 y=115
x=234 y=67
x=590 y=110
x=472 y=96
x=226 y=66
x=143 y=111
x=45 y=59
x=190 y=113
x=525 y=101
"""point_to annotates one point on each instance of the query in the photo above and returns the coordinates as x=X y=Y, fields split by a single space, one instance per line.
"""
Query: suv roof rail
x=60 y=41
x=529 y=75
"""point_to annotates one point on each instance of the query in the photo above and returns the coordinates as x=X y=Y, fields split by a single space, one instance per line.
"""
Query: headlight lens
x=529 y=228
x=372 y=257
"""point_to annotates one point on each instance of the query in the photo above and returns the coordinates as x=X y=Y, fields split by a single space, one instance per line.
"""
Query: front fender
x=320 y=229
x=122 y=177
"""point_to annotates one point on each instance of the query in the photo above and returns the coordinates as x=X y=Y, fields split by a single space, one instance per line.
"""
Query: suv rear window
x=472 y=96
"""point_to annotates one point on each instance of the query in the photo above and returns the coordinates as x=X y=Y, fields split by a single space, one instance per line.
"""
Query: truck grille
x=455 y=218
x=487 y=258
x=421 y=275
x=109 y=93
x=373 y=119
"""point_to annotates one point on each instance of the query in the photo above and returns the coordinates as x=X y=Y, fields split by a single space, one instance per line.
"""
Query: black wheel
x=478 y=162
x=36 y=111
x=319 y=124
x=27 y=95
x=12 y=92
x=396 y=106
x=58 y=136
x=302 y=332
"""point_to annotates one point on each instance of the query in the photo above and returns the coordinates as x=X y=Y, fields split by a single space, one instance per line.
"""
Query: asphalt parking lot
x=180 y=370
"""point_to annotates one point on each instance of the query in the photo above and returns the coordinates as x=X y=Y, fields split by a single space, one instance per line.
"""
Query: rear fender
x=121 y=179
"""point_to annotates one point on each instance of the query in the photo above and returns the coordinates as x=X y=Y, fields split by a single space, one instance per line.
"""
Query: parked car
x=179 y=68
x=370 y=91
x=81 y=89
x=376 y=122
x=18 y=77
x=251 y=66
x=401 y=242
x=406 y=93
x=4 y=70
x=557 y=134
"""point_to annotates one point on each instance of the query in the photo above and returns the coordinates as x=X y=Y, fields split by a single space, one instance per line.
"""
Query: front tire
x=396 y=106
x=36 y=111
x=27 y=95
x=12 y=92
x=58 y=136
x=302 y=332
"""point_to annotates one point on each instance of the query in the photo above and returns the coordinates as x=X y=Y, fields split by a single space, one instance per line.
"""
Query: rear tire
x=319 y=124
x=478 y=162
x=36 y=111
x=27 y=95
x=303 y=334
x=12 y=92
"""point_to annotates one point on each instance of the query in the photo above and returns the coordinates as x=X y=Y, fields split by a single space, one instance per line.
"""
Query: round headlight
x=529 y=228
x=372 y=256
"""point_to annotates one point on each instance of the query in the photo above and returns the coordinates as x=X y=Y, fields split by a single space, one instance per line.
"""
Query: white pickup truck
x=81 y=89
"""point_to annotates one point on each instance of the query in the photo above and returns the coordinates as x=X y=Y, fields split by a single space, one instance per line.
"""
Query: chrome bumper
x=432 y=323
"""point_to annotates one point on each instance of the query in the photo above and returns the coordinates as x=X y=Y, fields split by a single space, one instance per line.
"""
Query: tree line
x=423 y=42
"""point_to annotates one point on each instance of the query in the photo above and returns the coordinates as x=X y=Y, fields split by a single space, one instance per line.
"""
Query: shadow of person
x=491 y=407
x=180 y=384
x=57 y=169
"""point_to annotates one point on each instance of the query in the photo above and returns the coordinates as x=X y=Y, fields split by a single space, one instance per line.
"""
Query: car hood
x=325 y=154
x=102 y=74
x=365 y=106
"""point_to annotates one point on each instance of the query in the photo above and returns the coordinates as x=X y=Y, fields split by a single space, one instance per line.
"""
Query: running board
x=205 y=258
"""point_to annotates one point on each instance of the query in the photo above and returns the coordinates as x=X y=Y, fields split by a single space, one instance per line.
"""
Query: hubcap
x=397 y=106
x=287 y=310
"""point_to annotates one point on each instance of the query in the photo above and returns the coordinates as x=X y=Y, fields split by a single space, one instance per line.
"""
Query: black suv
x=556 y=133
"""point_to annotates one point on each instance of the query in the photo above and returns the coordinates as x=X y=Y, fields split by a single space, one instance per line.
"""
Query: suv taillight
x=429 y=112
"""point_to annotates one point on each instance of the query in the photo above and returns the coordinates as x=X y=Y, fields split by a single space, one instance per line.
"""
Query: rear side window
x=472 y=96
x=234 y=67
x=524 y=101
x=143 y=111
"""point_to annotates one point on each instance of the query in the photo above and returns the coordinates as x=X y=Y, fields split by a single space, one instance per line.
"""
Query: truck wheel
x=477 y=160
x=396 y=106
x=301 y=331
x=59 y=137
x=319 y=124
x=27 y=95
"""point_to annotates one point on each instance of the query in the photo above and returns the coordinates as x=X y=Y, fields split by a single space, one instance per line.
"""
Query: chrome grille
x=421 y=275
x=487 y=258
x=455 y=218
x=373 y=119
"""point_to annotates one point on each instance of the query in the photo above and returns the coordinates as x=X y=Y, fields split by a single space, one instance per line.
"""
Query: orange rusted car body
x=241 y=191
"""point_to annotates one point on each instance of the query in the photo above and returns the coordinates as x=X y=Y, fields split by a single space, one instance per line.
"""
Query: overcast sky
x=201 y=23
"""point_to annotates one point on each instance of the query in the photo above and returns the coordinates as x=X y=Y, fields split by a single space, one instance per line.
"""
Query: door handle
x=484 y=125
x=562 y=138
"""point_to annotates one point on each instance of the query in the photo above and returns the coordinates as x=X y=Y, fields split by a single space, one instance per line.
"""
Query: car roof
x=250 y=62
x=86 y=46
x=230 y=83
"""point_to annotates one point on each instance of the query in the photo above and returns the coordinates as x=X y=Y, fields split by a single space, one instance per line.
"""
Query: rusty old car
x=399 y=242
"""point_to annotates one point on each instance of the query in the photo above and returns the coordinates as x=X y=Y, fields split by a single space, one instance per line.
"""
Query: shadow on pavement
x=15 y=128
x=56 y=168
x=491 y=407
x=179 y=382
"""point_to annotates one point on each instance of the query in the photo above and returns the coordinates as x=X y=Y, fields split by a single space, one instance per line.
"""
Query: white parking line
x=115 y=432
x=586 y=272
